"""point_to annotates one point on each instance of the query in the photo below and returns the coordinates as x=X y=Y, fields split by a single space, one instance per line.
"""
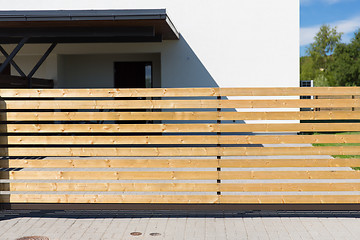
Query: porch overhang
x=86 y=26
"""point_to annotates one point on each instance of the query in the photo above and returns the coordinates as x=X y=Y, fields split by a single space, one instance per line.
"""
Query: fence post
x=218 y=146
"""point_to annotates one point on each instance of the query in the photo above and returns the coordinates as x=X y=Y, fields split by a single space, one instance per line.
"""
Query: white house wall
x=223 y=43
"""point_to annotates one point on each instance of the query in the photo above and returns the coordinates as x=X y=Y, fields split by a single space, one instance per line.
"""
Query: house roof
x=86 y=26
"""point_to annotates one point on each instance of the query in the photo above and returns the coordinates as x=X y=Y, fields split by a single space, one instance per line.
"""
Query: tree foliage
x=346 y=64
x=330 y=62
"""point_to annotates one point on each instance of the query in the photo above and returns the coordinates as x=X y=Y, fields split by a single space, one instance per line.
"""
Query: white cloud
x=345 y=26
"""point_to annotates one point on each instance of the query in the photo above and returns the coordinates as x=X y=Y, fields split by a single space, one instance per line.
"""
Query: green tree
x=346 y=63
x=320 y=52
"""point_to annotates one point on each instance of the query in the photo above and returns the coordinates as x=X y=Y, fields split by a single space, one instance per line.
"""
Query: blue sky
x=345 y=14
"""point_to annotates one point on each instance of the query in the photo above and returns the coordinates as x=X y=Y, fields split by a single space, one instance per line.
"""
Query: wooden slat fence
x=173 y=145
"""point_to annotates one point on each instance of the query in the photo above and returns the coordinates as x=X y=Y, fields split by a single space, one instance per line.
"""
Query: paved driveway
x=66 y=225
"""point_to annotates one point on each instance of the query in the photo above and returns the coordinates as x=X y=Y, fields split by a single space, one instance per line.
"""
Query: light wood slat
x=111 y=104
x=288 y=127
x=290 y=199
x=92 y=198
x=112 y=187
x=173 y=104
x=175 y=92
x=109 y=163
x=267 y=151
x=182 y=187
x=99 y=175
x=177 y=163
x=111 y=140
x=288 y=139
x=290 y=103
x=284 y=187
x=133 y=92
x=291 y=127
x=178 y=152
x=89 y=116
x=109 y=128
x=113 y=152
x=198 y=151
x=229 y=139
x=179 y=175
x=268 y=163
x=290 y=91
x=275 y=199
x=305 y=115
x=233 y=175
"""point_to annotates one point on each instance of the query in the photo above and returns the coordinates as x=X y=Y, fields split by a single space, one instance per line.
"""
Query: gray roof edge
x=68 y=15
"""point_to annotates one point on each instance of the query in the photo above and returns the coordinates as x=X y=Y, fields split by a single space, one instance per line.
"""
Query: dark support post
x=13 y=54
x=12 y=62
x=42 y=59
x=218 y=145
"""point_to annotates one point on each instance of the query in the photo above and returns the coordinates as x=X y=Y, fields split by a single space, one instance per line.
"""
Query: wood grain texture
x=174 y=104
x=91 y=198
x=109 y=128
x=106 y=116
x=290 y=91
x=132 y=116
x=110 y=163
x=290 y=199
x=177 y=163
x=86 y=93
x=113 y=175
x=200 y=127
x=113 y=187
x=233 y=175
x=220 y=139
x=176 y=152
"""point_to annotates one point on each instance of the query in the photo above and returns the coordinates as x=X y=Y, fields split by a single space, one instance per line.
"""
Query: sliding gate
x=214 y=146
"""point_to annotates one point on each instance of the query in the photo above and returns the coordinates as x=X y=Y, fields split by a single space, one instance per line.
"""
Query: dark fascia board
x=88 y=15
x=82 y=15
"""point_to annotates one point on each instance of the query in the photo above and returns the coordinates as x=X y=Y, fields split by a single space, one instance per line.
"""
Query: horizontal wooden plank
x=111 y=140
x=233 y=175
x=165 y=139
x=290 y=91
x=109 y=163
x=304 y=115
x=177 y=163
x=177 y=151
x=268 y=151
x=174 y=104
x=288 y=139
x=289 y=199
x=175 y=92
x=113 y=175
x=200 y=127
x=290 y=103
x=110 y=104
x=291 y=127
x=112 y=187
x=97 y=92
x=120 y=116
x=284 y=187
x=109 y=116
x=269 y=163
x=180 y=187
x=109 y=128
x=92 y=198
x=224 y=199
x=178 y=175
x=107 y=152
